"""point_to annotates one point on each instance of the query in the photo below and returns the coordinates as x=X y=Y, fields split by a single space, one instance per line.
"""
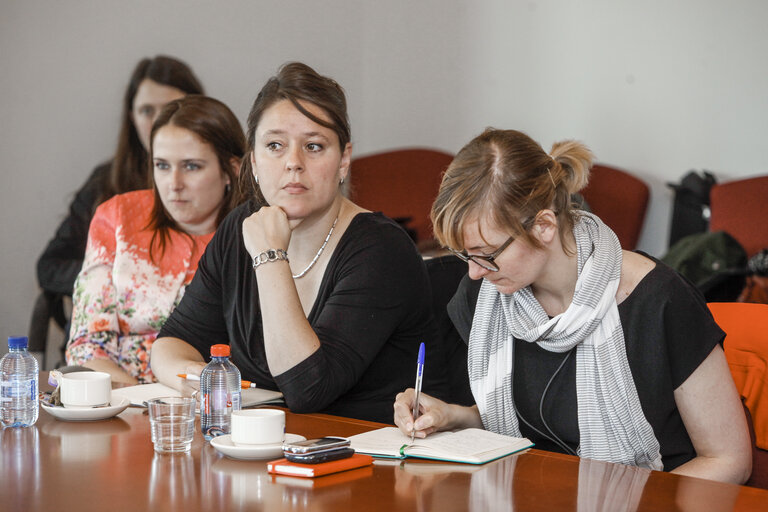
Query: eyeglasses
x=486 y=262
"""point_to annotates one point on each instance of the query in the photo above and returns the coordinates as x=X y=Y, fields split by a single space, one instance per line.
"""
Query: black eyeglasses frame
x=486 y=262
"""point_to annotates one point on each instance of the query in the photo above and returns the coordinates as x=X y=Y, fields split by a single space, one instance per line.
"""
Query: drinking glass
x=172 y=422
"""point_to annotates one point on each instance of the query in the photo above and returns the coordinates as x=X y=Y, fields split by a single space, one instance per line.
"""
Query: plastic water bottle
x=220 y=390
x=18 y=380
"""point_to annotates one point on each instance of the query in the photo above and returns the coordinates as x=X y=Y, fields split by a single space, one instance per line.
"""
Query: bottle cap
x=220 y=351
x=17 y=342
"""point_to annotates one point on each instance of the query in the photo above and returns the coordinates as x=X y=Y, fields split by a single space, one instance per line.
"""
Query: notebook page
x=384 y=441
x=140 y=393
x=471 y=442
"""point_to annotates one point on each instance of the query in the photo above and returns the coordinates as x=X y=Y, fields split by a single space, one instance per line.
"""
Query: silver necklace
x=319 y=252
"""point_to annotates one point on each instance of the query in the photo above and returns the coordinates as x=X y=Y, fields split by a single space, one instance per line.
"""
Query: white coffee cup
x=258 y=427
x=86 y=389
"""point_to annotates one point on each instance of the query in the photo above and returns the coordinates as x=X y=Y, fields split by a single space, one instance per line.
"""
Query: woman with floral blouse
x=143 y=246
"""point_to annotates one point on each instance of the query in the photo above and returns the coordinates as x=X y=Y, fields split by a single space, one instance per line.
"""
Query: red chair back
x=740 y=208
x=620 y=200
x=400 y=183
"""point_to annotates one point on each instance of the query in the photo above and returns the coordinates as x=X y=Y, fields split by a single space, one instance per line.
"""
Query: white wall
x=653 y=87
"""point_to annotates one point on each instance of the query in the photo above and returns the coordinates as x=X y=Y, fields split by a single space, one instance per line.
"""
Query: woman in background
x=154 y=82
x=143 y=246
x=581 y=347
x=317 y=297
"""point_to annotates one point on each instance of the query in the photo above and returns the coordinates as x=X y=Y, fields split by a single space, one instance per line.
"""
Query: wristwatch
x=268 y=256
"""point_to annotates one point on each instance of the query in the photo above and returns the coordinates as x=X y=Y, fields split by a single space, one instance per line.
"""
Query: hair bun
x=576 y=160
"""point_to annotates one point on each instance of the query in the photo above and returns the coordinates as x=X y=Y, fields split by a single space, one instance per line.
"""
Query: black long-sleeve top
x=62 y=258
x=372 y=310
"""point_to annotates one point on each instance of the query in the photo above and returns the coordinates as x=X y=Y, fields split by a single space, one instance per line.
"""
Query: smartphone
x=316 y=445
x=321 y=456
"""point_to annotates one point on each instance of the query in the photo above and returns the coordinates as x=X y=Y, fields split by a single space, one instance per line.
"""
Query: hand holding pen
x=244 y=384
x=417 y=387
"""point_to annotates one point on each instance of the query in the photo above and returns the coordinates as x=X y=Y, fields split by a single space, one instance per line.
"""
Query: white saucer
x=225 y=445
x=116 y=406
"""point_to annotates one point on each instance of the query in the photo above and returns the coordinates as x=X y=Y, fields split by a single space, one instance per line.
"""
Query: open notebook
x=139 y=394
x=469 y=446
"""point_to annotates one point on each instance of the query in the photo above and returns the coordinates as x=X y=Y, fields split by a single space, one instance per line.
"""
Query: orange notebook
x=284 y=467
x=344 y=477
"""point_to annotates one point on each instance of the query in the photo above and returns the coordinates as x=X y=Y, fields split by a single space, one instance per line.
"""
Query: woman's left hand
x=190 y=386
x=195 y=368
x=267 y=228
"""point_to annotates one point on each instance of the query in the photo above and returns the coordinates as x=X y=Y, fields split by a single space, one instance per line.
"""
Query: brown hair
x=296 y=82
x=509 y=175
x=214 y=123
x=130 y=166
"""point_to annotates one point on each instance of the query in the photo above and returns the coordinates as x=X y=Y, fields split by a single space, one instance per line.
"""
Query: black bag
x=714 y=262
x=690 y=209
x=756 y=287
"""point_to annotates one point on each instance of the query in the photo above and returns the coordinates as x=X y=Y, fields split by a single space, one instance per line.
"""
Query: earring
x=341 y=182
x=227 y=188
x=256 y=179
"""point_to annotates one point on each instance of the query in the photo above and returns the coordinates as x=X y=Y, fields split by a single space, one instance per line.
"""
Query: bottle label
x=17 y=388
x=221 y=400
x=216 y=400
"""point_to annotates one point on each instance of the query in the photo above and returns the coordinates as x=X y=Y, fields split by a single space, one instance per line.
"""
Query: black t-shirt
x=372 y=310
x=668 y=332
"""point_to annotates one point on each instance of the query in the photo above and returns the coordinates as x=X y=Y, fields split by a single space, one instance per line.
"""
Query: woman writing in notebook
x=573 y=343
x=143 y=246
x=317 y=297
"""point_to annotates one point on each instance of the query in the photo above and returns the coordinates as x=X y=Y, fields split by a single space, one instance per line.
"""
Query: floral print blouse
x=121 y=297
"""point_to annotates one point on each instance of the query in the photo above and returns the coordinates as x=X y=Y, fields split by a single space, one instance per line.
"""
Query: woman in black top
x=316 y=296
x=153 y=83
x=583 y=347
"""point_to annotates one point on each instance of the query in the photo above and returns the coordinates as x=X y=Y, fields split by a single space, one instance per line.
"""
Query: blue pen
x=419 y=377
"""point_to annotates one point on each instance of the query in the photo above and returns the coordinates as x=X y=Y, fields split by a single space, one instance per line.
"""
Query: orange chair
x=746 y=349
x=740 y=208
x=620 y=200
x=400 y=183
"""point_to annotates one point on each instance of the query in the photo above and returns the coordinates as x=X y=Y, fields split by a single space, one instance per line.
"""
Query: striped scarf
x=612 y=426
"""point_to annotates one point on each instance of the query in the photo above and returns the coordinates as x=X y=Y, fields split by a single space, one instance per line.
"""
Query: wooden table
x=110 y=465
